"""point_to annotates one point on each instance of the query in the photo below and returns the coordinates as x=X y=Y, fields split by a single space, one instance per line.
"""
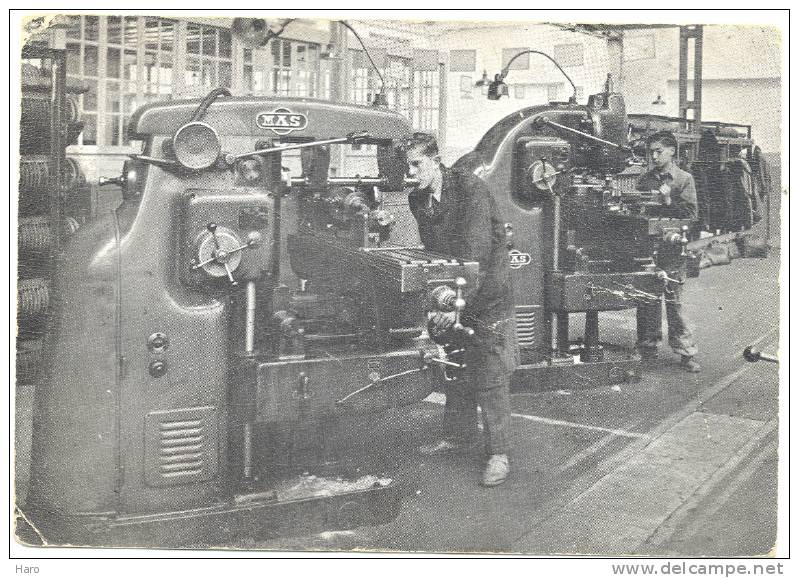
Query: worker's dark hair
x=664 y=137
x=426 y=141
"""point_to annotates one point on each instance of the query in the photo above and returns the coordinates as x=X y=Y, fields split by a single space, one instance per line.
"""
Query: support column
x=616 y=60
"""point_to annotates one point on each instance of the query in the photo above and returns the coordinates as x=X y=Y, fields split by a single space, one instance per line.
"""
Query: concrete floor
x=674 y=465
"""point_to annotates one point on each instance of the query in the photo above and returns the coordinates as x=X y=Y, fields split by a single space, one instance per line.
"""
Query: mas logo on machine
x=518 y=259
x=281 y=121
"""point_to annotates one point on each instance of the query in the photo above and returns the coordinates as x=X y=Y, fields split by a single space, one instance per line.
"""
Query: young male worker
x=677 y=194
x=457 y=216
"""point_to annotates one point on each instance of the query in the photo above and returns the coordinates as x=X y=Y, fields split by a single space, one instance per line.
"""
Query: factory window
x=569 y=54
x=462 y=60
x=553 y=92
x=296 y=70
x=364 y=82
x=362 y=85
x=83 y=50
x=125 y=62
x=121 y=76
x=521 y=63
x=426 y=85
x=208 y=58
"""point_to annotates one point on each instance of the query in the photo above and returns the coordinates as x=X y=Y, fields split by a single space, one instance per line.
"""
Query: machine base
x=613 y=369
x=240 y=520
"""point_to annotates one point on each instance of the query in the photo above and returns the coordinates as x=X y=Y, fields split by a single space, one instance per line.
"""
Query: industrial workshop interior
x=291 y=284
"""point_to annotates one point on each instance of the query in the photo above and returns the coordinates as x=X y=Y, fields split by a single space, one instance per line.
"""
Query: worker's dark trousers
x=486 y=382
x=650 y=315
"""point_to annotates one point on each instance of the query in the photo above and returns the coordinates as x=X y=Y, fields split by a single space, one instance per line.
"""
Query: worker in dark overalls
x=457 y=217
x=675 y=189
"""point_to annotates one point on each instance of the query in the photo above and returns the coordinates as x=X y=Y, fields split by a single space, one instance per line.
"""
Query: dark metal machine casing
x=135 y=417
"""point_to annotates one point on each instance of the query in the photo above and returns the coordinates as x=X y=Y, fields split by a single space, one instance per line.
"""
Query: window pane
x=258 y=84
x=89 y=129
x=73 y=30
x=112 y=130
x=209 y=42
x=125 y=139
x=224 y=44
x=192 y=72
x=90 y=97
x=247 y=78
x=300 y=54
x=224 y=74
x=90 y=61
x=129 y=64
x=115 y=30
x=275 y=44
x=113 y=63
x=131 y=34
x=151 y=34
x=167 y=37
x=209 y=74
x=129 y=101
x=91 y=28
x=286 y=53
x=73 y=59
x=150 y=69
x=165 y=78
x=193 y=38
x=113 y=100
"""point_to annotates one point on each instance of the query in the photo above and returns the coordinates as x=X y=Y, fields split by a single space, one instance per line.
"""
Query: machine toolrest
x=229 y=300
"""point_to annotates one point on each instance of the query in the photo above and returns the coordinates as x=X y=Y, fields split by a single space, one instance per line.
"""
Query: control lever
x=353 y=137
x=665 y=276
x=460 y=305
x=428 y=358
x=684 y=240
x=752 y=355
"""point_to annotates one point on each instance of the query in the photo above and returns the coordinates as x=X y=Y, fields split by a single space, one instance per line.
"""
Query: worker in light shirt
x=676 y=192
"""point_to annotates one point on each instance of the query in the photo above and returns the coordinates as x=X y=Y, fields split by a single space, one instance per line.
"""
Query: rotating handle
x=222 y=256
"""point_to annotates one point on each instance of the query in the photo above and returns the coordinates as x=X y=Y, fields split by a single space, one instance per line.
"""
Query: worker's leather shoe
x=688 y=364
x=496 y=470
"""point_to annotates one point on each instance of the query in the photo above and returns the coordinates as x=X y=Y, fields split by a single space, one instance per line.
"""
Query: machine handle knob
x=753 y=355
x=684 y=240
x=119 y=181
x=665 y=276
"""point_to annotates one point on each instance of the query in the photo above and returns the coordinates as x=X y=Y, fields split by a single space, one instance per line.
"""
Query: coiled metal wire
x=33 y=297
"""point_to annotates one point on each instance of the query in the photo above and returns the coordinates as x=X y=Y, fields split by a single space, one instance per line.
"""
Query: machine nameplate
x=518 y=259
x=281 y=121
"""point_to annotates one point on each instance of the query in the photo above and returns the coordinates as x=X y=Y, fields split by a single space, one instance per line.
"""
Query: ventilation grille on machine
x=181 y=446
x=529 y=331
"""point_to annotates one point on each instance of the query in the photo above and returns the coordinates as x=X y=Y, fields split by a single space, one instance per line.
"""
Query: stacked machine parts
x=53 y=195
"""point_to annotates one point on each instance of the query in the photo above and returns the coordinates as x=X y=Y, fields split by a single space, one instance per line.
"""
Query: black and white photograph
x=377 y=283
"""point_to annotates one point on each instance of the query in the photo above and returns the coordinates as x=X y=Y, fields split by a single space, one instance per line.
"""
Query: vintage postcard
x=372 y=283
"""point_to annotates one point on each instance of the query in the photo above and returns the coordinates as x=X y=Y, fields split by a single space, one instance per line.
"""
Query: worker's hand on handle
x=441 y=321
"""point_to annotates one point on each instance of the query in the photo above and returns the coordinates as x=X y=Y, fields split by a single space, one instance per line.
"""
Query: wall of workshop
x=469 y=114
x=740 y=71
